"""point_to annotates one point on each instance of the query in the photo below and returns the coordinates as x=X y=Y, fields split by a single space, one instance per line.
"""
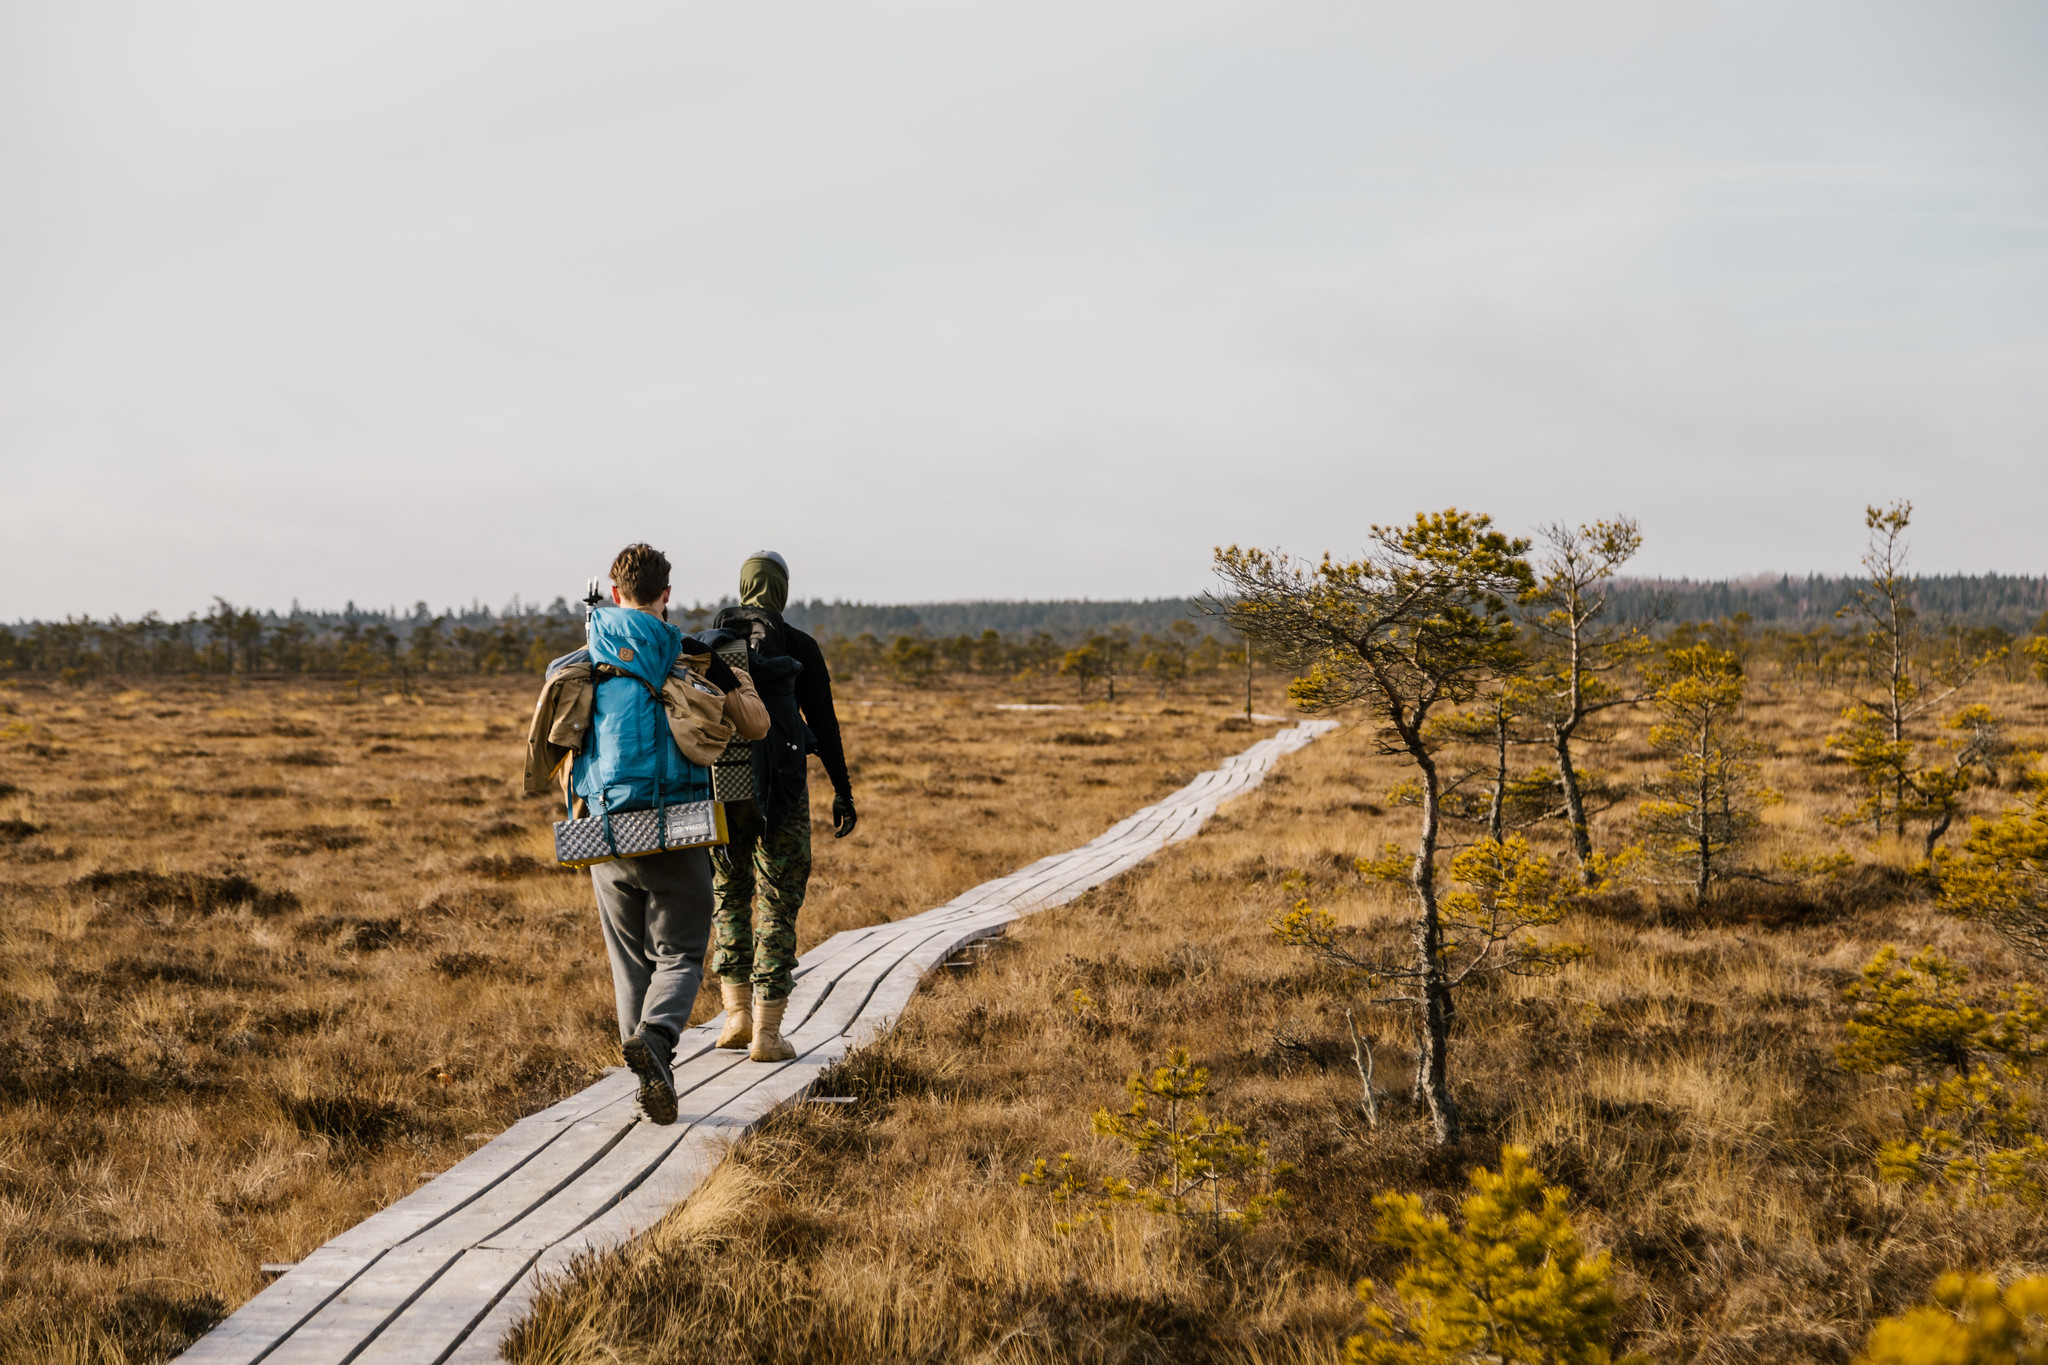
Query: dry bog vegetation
x=1706 y=960
x=1681 y=1082
x=273 y=952
x=276 y=950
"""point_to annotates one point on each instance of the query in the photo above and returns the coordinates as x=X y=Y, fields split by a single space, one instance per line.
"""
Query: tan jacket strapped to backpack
x=702 y=717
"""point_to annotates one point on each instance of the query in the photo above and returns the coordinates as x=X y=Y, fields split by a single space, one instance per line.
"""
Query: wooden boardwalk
x=443 y=1274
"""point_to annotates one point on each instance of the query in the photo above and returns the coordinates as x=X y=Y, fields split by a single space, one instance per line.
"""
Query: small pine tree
x=1483 y=791
x=2000 y=875
x=1503 y=891
x=1204 y=1169
x=1884 y=767
x=1581 y=656
x=1901 y=680
x=1418 y=626
x=1967 y=1065
x=911 y=660
x=1970 y=1322
x=2036 y=651
x=1098 y=658
x=1703 y=807
x=1514 y=1286
x=1936 y=795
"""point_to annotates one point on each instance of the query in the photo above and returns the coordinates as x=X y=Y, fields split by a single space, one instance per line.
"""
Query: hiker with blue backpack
x=639 y=715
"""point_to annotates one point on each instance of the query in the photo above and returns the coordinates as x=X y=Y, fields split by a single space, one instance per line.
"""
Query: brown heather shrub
x=507 y=866
x=119 y=894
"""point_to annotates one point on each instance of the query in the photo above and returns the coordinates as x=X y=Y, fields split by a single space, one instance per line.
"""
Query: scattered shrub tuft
x=354 y=1120
x=193 y=892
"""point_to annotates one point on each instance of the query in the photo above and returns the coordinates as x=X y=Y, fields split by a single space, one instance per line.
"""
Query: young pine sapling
x=1203 y=1169
x=1970 y=1069
x=1703 y=807
x=1513 y=1286
x=1582 y=655
x=1999 y=876
x=1503 y=891
x=1900 y=683
x=1419 y=623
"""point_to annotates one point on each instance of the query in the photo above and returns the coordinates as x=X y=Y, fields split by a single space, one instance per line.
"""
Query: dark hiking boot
x=648 y=1054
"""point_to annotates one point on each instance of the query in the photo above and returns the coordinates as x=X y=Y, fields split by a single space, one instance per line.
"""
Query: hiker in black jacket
x=770 y=844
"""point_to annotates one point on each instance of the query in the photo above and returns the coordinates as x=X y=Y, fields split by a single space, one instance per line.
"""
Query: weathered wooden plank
x=853 y=971
x=704 y=1104
x=829 y=951
x=685 y=1168
x=881 y=1010
x=467 y=1180
x=448 y=1309
x=882 y=1013
x=617 y=1082
x=740 y=1114
x=532 y=1185
x=369 y=1301
x=594 y=1190
x=839 y=1008
x=704 y=1146
x=258 y=1325
x=706 y=1067
x=669 y=1184
x=816 y=985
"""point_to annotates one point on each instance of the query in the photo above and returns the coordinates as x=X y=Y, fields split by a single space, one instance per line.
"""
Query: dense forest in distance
x=1793 y=616
x=2009 y=602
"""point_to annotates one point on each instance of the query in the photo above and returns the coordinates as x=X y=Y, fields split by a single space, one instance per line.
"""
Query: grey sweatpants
x=656 y=913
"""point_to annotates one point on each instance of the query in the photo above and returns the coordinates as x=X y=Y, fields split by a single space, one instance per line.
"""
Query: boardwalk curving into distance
x=443 y=1274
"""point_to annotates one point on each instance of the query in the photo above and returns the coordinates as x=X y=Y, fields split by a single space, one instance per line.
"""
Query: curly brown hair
x=641 y=574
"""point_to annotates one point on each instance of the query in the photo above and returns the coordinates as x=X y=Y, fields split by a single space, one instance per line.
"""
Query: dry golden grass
x=1681 y=1083
x=272 y=953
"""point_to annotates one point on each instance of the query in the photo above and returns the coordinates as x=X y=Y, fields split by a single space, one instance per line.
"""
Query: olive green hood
x=764 y=581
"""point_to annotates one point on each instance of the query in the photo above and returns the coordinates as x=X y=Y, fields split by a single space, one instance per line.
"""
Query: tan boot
x=739 y=1013
x=769 y=1045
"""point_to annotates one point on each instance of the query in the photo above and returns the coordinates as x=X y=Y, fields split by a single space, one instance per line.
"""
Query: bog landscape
x=1632 y=973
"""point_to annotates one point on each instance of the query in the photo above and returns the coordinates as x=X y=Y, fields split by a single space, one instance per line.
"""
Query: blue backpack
x=630 y=761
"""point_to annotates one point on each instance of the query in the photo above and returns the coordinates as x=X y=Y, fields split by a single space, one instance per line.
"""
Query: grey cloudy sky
x=387 y=301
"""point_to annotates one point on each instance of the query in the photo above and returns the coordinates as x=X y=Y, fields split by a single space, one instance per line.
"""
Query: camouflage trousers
x=760 y=943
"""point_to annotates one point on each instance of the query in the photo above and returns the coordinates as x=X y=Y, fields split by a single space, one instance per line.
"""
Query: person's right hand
x=843 y=816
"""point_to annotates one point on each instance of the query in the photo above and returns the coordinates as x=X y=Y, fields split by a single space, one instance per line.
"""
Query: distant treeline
x=2006 y=601
x=1065 y=621
x=1091 y=640
x=2009 y=601
x=1791 y=621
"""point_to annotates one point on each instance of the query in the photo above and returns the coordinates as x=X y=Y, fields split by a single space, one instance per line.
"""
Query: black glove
x=720 y=674
x=843 y=816
x=715 y=668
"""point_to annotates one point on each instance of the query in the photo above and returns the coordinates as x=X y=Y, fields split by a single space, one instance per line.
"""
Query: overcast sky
x=389 y=301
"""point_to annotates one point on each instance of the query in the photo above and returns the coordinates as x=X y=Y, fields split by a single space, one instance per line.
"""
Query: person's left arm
x=814 y=700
